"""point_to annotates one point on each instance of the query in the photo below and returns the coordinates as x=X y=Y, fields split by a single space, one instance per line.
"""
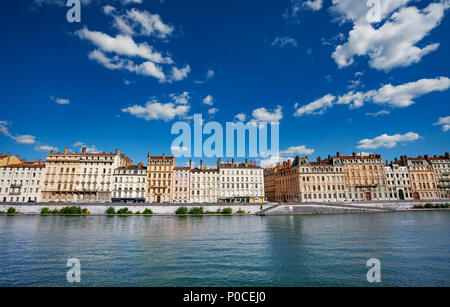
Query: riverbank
x=230 y=209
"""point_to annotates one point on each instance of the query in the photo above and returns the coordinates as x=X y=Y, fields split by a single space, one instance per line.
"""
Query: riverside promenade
x=249 y=208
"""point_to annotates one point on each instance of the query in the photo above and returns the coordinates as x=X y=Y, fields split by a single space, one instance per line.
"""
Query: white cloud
x=46 y=148
x=316 y=107
x=297 y=150
x=122 y=45
x=314 y=5
x=444 y=122
x=379 y=113
x=399 y=96
x=89 y=148
x=283 y=41
x=393 y=44
x=296 y=6
x=61 y=101
x=208 y=100
x=264 y=115
x=182 y=98
x=154 y=110
x=388 y=141
x=213 y=111
x=179 y=149
x=241 y=117
x=209 y=74
x=402 y=95
x=179 y=74
x=19 y=138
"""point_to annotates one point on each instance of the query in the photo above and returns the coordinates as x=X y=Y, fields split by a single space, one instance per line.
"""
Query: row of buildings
x=112 y=177
x=359 y=178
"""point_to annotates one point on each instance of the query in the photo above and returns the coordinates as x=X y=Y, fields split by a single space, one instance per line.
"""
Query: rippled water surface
x=314 y=250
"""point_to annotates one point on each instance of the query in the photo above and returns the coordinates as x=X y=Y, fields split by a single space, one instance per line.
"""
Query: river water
x=302 y=250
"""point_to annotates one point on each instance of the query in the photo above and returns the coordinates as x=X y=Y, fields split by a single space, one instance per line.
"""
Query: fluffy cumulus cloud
x=394 y=42
x=265 y=115
x=287 y=154
x=124 y=52
x=388 y=141
x=182 y=98
x=154 y=110
x=444 y=122
x=208 y=100
x=240 y=117
x=399 y=96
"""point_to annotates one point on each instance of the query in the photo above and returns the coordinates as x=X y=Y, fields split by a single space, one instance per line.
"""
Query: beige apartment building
x=181 y=185
x=365 y=177
x=423 y=178
x=80 y=177
x=20 y=181
x=305 y=181
x=441 y=167
x=159 y=179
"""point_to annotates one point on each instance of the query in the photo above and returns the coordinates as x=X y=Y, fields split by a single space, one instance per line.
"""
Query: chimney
x=219 y=163
x=83 y=150
x=289 y=163
x=201 y=164
x=117 y=152
x=426 y=157
x=387 y=162
x=190 y=164
x=338 y=154
x=447 y=155
x=164 y=155
x=284 y=164
x=148 y=156
x=233 y=162
x=246 y=162
x=329 y=157
x=354 y=155
x=65 y=150
x=319 y=159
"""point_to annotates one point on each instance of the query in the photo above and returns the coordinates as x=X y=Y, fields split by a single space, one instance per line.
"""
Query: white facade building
x=398 y=182
x=241 y=182
x=129 y=184
x=205 y=185
x=21 y=182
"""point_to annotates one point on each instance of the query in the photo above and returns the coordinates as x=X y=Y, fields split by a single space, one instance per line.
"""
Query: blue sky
x=335 y=80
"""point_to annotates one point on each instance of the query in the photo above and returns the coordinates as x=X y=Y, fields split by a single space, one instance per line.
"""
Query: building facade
x=423 y=178
x=181 y=185
x=365 y=177
x=205 y=185
x=21 y=182
x=159 y=179
x=129 y=184
x=441 y=167
x=80 y=177
x=269 y=183
x=398 y=182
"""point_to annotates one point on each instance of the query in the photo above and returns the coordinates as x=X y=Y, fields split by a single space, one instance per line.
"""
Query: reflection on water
x=316 y=250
